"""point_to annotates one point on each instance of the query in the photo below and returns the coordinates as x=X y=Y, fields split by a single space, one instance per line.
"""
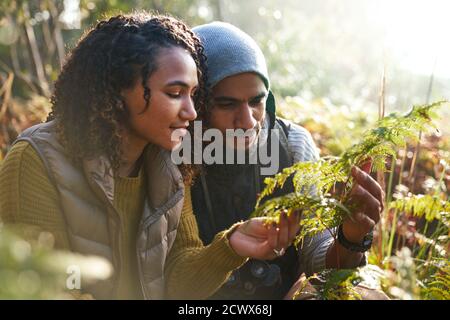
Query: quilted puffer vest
x=86 y=193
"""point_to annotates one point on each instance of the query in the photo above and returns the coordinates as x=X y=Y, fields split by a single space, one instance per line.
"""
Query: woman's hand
x=258 y=239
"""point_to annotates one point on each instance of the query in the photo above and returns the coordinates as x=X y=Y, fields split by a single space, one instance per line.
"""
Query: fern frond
x=334 y=284
x=429 y=206
x=313 y=181
x=438 y=286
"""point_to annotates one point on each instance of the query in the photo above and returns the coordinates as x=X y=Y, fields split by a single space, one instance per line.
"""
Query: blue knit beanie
x=230 y=51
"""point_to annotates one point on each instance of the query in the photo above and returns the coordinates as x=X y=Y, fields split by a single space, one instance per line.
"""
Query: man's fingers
x=367 y=166
x=364 y=221
x=367 y=203
x=368 y=183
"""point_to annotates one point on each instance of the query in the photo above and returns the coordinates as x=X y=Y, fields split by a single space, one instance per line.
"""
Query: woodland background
x=334 y=67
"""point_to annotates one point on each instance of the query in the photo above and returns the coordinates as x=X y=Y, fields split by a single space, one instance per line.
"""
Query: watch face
x=364 y=246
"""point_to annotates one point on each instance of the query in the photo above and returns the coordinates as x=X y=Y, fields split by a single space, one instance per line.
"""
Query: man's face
x=238 y=102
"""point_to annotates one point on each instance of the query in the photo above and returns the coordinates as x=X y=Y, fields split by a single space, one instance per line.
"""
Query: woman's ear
x=123 y=105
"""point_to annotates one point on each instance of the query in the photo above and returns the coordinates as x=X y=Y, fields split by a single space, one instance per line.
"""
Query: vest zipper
x=144 y=294
x=176 y=198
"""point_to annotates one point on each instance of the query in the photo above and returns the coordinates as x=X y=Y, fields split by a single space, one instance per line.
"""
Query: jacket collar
x=162 y=175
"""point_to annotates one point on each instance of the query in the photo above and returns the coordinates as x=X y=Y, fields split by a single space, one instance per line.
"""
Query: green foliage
x=437 y=287
x=429 y=206
x=33 y=270
x=433 y=209
x=410 y=278
x=333 y=284
x=408 y=274
x=420 y=269
x=335 y=129
x=391 y=132
x=402 y=281
x=339 y=285
x=313 y=181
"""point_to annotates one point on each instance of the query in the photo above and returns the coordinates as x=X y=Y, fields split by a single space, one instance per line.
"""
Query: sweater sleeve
x=28 y=200
x=195 y=271
x=301 y=144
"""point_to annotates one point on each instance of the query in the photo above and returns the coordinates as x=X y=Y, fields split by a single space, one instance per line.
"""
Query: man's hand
x=366 y=201
x=257 y=239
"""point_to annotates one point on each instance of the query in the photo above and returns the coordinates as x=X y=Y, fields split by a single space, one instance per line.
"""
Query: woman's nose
x=188 y=110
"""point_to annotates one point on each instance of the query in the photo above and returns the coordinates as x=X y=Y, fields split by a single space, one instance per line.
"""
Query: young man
x=225 y=193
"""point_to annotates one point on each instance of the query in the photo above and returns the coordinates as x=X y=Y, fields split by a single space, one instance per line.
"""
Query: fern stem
x=388 y=200
x=422 y=250
x=381 y=237
x=441 y=179
x=412 y=171
x=393 y=231
x=391 y=179
x=402 y=166
x=437 y=231
x=414 y=244
x=344 y=194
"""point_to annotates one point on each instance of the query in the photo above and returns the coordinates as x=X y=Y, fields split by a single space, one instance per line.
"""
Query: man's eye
x=256 y=101
x=173 y=94
x=226 y=104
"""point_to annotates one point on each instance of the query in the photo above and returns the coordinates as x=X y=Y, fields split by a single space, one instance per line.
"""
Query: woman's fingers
x=258 y=239
x=283 y=231
x=272 y=235
x=294 y=220
x=281 y=235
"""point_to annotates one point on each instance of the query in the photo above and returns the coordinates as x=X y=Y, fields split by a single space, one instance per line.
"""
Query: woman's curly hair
x=87 y=103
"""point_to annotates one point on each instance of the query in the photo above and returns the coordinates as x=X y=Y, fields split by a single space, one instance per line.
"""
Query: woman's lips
x=180 y=131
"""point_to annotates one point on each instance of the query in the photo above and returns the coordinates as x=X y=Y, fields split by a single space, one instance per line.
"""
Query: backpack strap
x=285 y=125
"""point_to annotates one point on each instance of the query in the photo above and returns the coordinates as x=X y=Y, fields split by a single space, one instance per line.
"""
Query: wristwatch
x=361 y=247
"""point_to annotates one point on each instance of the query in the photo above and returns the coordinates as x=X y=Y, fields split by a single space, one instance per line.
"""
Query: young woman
x=97 y=174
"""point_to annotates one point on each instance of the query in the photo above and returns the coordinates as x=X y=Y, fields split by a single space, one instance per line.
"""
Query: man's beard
x=242 y=140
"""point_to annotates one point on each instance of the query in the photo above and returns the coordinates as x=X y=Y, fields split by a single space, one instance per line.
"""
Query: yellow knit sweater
x=28 y=198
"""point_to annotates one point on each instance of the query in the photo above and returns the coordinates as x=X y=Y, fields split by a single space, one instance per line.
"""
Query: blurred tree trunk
x=57 y=34
x=217 y=7
x=34 y=50
x=26 y=78
x=157 y=5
